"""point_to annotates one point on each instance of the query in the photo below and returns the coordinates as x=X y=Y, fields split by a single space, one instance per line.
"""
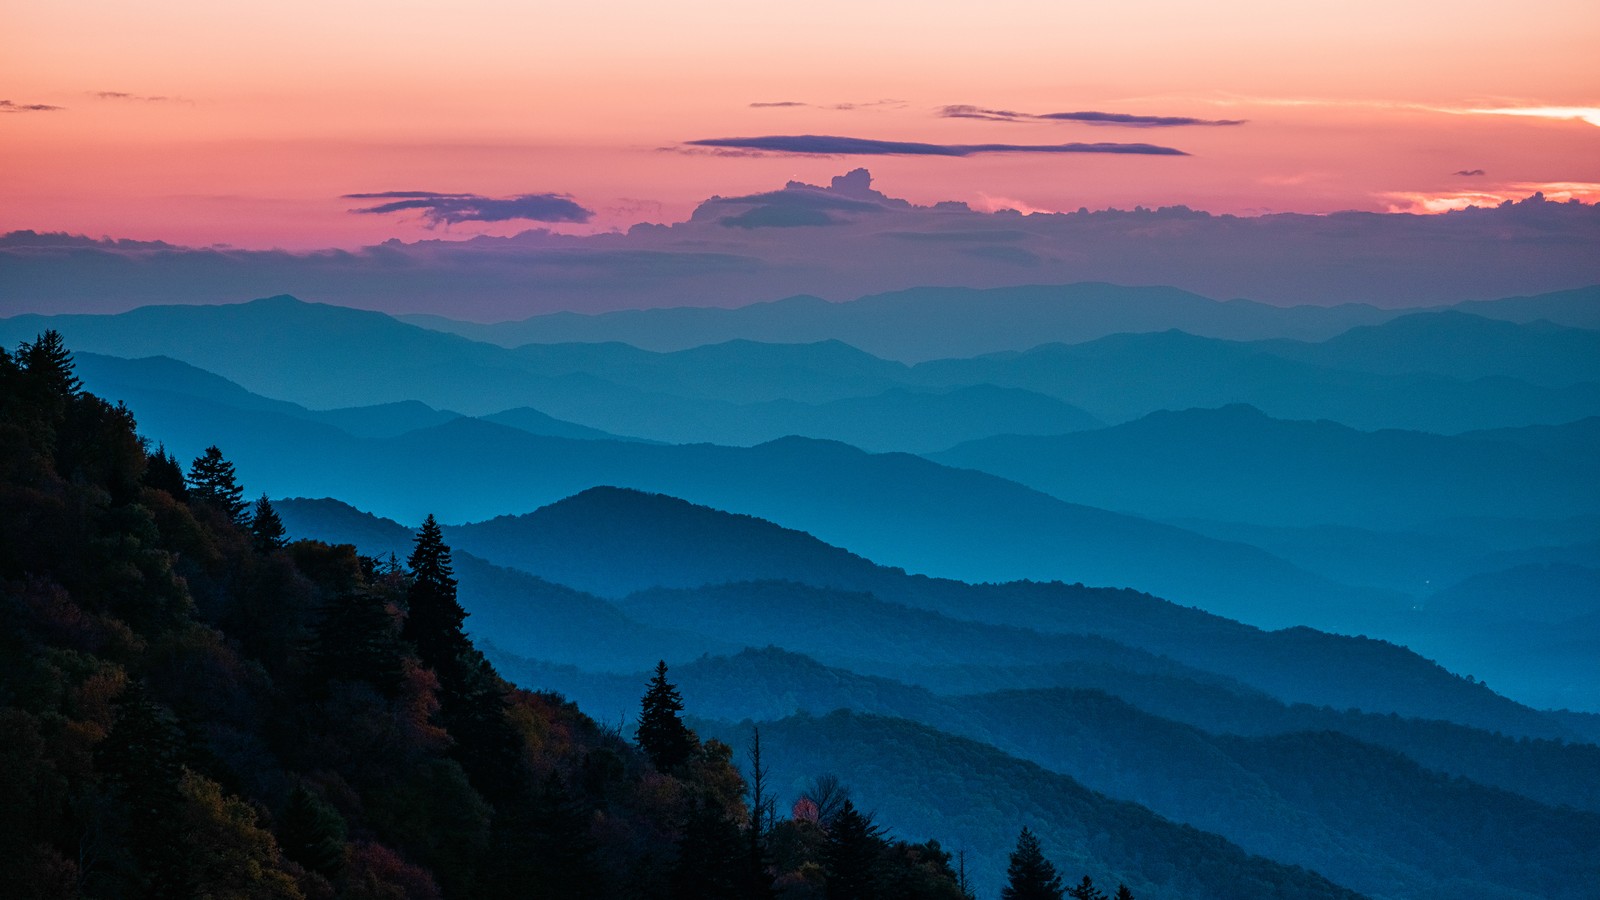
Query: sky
x=302 y=125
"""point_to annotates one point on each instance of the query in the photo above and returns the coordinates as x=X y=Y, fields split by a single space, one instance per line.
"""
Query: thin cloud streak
x=6 y=106
x=450 y=209
x=1127 y=120
x=834 y=145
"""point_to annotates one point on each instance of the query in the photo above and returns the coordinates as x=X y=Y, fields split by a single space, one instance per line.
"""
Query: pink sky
x=246 y=126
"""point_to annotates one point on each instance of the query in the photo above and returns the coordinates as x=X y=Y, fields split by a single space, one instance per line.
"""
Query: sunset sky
x=202 y=123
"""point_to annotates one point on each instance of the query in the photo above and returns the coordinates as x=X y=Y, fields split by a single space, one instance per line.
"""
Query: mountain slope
x=1237 y=464
x=933 y=322
x=928 y=782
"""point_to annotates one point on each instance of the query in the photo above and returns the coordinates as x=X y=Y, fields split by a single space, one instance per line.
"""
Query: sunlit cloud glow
x=1450 y=201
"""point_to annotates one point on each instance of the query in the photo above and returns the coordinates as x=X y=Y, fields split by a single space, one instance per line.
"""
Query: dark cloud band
x=1126 y=120
x=6 y=106
x=449 y=209
x=830 y=145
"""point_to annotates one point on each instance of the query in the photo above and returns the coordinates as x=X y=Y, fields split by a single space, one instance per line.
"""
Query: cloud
x=1468 y=173
x=842 y=107
x=450 y=209
x=1589 y=114
x=6 y=106
x=1127 y=120
x=140 y=98
x=832 y=145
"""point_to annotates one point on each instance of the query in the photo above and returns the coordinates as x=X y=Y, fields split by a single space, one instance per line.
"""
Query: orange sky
x=269 y=114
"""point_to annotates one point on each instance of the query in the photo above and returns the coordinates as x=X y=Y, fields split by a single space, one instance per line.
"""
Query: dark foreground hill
x=926 y=782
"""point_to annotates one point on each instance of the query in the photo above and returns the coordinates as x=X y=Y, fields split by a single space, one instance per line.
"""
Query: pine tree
x=162 y=472
x=312 y=833
x=852 y=854
x=1086 y=891
x=266 y=529
x=434 y=618
x=49 y=364
x=1123 y=893
x=662 y=735
x=1030 y=876
x=212 y=480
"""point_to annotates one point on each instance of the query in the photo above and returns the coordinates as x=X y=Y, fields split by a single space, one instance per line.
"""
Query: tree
x=758 y=879
x=354 y=640
x=212 y=480
x=662 y=735
x=162 y=472
x=312 y=833
x=1086 y=890
x=49 y=364
x=1123 y=893
x=1030 y=876
x=266 y=529
x=434 y=617
x=852 y=854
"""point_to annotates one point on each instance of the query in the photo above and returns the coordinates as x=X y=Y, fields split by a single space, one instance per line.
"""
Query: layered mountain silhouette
x=1237 y=464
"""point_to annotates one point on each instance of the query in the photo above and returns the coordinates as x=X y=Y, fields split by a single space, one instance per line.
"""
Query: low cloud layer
x=834 y=145
x=840 y=240
x=6 y=106
x=1126 y=120
x=451 y=209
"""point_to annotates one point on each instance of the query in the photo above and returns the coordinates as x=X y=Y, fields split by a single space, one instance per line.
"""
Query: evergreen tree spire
x=212 y=480
x=1123 y=893
x=1030 y=876
x=1086 y=890
x=50 y=365
x=851 y=856
x=266 y=529
x=662 y=735
x=433 y=623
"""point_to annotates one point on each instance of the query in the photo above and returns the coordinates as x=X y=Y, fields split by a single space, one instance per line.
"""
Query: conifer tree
x=266 y=529
x=434 y=617
x=312 y=833
x=1123 y=893
x=851 y=856
x=1086 y=890
x=662 y=735
x=1030 y=876
x=49 y=364
x=212 y=480
x=162 y=472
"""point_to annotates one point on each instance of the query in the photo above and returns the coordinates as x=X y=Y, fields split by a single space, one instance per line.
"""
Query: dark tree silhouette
x=49 y=365
x=851 y=856
x=1030 y=876
x=1086 y=890
x=312 y=833
x=828 y=794
x=1123 y=893
x=758 y=878
x=355 y=640
x=662 y=735
x=162 y=472
x=212 y=480
x=434 y=617
x=266 y=529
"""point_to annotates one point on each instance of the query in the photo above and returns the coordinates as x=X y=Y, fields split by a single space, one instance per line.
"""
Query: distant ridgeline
x=194 y=703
